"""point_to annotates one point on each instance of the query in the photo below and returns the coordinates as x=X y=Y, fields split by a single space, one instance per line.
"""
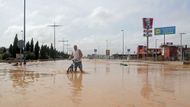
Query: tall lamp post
x=24 y=30
x=181 y=44
x=106 y=44
x=123 y=42
x=181 y=38
x=156 y=53
x=107 y=51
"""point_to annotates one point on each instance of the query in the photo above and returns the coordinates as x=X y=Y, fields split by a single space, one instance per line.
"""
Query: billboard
x=147 y=26
x=165 y=30
x=147 y=23
x=107 y=52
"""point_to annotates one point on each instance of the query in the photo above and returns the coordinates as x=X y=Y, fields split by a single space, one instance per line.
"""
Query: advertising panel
x=147 y=26
x=165 y=30
x=147 y=23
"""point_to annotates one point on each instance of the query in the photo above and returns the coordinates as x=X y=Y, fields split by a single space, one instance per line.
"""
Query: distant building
x=97 y=56
x=152 y=52
x=141 y=51
x=170 y=52
x=119 y=56
x=175 y=52
x=167 y=52
x=186 y=53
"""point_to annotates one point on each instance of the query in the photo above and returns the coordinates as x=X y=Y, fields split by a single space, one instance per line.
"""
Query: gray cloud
x=90 y=23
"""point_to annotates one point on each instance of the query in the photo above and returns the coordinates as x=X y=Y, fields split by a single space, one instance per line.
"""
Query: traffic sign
x=20 y=44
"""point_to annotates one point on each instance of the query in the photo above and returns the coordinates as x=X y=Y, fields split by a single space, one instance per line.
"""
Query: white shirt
x=76 y=55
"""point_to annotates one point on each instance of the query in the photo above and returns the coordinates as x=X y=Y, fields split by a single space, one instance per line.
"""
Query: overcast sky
x=89 y=23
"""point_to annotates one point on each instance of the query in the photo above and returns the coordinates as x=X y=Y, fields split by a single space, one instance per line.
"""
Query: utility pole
x=148 y=34
x=63 y=41
x=181 y=38
x=24 y=30
x=181 y=44
x=106 y=44
x=54 y=26
x=107 y=51
x=123 y=42
x=156 y=53
x=68 y=47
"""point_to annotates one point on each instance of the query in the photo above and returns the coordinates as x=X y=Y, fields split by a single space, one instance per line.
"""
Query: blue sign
x=165 y=30
x=95 y=50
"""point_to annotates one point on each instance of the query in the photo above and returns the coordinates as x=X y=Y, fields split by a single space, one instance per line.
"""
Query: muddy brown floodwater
x=105 y=84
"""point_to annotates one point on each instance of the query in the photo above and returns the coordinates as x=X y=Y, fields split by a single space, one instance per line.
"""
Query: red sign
x=150 y=31
x=147 y=23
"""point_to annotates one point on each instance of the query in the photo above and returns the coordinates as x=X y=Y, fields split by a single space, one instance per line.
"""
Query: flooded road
x=105 y=84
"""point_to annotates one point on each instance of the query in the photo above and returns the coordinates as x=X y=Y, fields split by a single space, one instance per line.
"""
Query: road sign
x=165 y=30
x=95 y=50
x=107 y=52
x=128 y=50
x=147 y=35
x=20 y=44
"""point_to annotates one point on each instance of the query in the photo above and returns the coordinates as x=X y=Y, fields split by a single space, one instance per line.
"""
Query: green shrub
x=30 y=56
x=5 y=56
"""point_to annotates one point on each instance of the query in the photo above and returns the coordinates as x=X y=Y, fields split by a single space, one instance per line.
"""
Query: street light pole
x=107 y=55
x=24 y=30
x=156 y=49
x=181 y=44
x=181 y=38
x=106 y=44
x=123 y=42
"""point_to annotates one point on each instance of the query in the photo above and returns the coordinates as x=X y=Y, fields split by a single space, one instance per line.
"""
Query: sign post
x=95 y=53
x=20 y=45
x=107 y=54
x=165 y=31
x=147 y=26
x=128 y=56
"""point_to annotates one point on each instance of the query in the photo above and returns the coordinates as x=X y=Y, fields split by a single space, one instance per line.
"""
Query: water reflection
x=146 y=85
x=95 y=66
x=23 y=78
x=167 y=77
x=2 y=74
x=107 y=67
x=160 y=79
x=146 y=89
x=124 y=69
x=76 y=84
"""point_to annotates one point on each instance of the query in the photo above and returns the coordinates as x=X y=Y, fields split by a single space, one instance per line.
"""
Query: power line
x=63 y=41
x=54 y=26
